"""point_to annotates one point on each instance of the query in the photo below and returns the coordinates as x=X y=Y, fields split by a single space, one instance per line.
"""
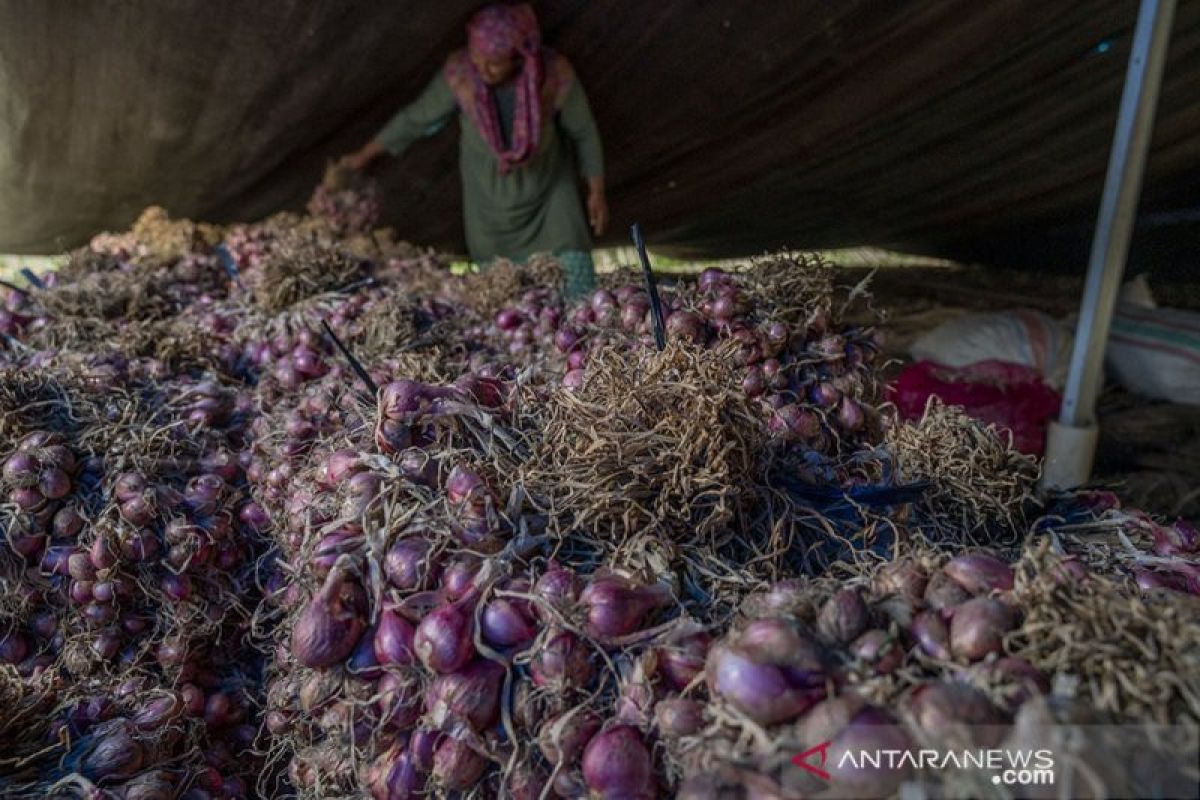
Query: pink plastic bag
x=1010 y=396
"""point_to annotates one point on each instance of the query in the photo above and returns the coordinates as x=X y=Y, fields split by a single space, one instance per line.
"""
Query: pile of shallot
x=267 y=540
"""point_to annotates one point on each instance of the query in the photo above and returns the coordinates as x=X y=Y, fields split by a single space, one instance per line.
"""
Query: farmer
x=522 y=113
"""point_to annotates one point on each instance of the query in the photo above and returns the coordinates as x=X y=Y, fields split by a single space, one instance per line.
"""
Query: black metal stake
x=227 y=261
x=33 y=279
x=660 y=331
x=354 y=363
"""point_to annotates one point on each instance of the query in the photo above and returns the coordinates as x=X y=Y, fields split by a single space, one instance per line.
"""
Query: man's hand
x=361 y=158
x=597 y=205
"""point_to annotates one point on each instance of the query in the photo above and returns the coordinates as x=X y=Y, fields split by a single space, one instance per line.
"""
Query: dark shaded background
x=967 y=129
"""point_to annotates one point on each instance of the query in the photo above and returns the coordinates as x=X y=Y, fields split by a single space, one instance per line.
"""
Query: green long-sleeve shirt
x=535 y=208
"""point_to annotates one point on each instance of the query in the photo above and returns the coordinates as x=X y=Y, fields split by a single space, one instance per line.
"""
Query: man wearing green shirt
x=526 y=127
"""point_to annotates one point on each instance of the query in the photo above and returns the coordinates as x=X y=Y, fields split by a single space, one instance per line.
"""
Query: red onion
x=393 y=639
x=850 y=415
x=26 y=545
x=617 y=764
x=27 y=499
x=67 y=523
x=603 y=301
x=203 y=494
x=332 y=545
x=338 y=465
x=932 y=634
x=753 y=384
x=157 y=711
x=764 y=691
x=112 y=752
x=679 y=663
x=944 y=709
x=331 y=623
x=562 y=738
x=137 y=511
x=794 y=423
x=677 y=717
x=576 y=360
x=504 y=625
x=558 y=588
x=943 y=594
x=566 y=339
x=176 y=587
x=1149 y=580
x=44 y=624
x=464 y=485
x=978 y=627
x=14 y=647
x=561 y=663
x=106 y=644
x=81 y=591
x=406 y=564
x=724 y=308
x=616 y=606
x=574 y=379
x=219 y=711
x=843 y=616
x=129 y=485
x=21 y=469
x=254 y=517
x=456 y=766
x=879 y=650
x=401 y=780
x=459 y=577
x=980 y=573
x=687 y=326
x=56 y=559
x=54 y=484
x=422 y=745
x=824 y=394
x=101 y=554
x=903 y=579
x=399 y=700
x=443 y=640
x=192 y=697
x=471 y=694
x=508 y=319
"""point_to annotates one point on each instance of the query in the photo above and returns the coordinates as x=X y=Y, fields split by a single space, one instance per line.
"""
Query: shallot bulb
x=843 y=617
x=682 y=661
x=456 y=765
x=562 y=662
x=331 y=623
x=443 y=639
x=677 y=717
x=503 y=624
x=978 y=628
x=472 y=694
x=616 y=606
x=617 y=764
x=769 y=671
x=980 y=573
x=394 y=639
x=563 y=737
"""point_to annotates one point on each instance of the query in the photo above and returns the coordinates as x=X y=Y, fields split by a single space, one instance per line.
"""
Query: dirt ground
x=1149 y=450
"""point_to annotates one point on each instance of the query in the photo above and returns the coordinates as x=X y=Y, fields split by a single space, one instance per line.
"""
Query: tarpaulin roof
x=960 y=128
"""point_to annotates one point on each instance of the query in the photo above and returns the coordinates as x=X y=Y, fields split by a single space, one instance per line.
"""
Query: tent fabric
x=973 y=130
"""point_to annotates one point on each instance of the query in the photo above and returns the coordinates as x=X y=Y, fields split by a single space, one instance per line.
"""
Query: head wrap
x=494 y=32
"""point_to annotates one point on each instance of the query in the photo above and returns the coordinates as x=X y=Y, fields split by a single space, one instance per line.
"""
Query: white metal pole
x=1070 y=447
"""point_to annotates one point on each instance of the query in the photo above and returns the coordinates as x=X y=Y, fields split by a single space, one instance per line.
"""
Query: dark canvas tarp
x=962 y=128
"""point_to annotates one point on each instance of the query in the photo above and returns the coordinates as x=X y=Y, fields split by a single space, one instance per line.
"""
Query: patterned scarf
x=495 y=32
